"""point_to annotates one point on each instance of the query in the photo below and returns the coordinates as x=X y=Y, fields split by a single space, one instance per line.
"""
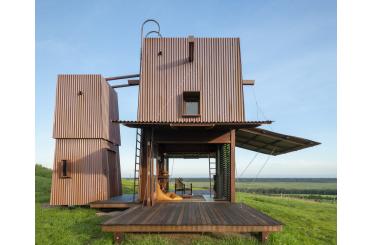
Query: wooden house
x=190 y=105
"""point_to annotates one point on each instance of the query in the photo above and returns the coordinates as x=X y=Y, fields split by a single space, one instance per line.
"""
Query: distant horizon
x=207 y=177
x=260 y=178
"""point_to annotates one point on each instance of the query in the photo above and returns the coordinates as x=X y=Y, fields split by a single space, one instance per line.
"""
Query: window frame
x=190 y=96
x=64 y=169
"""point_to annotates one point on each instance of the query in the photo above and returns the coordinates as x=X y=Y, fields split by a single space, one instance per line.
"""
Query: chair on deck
x=180 y=186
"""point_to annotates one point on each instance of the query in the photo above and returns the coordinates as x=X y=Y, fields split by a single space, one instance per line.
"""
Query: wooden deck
x=126 y=200
x=192 y=217
x=120 y=202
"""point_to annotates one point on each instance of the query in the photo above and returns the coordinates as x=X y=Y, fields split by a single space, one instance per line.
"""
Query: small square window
x=191 y=103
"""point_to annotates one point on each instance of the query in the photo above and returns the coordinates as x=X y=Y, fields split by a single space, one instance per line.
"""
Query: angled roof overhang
x=268 y=142
x=214 y=125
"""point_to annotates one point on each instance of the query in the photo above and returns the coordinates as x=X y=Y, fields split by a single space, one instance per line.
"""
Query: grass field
x=297 y=185
x=306 y=221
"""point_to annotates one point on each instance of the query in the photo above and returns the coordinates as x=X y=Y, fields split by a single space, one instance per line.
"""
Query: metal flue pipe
x=122 y=77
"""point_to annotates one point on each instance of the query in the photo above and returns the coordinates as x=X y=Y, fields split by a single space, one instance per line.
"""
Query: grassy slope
x=306 y=222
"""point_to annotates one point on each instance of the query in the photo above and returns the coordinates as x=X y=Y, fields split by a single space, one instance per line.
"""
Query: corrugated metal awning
x=236 y=125
x=267 y=142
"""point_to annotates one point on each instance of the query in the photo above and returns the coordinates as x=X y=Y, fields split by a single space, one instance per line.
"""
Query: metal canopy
x=142 y=124
x=267 y=142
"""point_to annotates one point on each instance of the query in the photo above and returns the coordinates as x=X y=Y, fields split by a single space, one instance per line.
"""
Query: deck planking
x=121 y=202
x=192 y=217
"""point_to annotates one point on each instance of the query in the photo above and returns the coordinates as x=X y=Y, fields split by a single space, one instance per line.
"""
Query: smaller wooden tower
x=86 y=163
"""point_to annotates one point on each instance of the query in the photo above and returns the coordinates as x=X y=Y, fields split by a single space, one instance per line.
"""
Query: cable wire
x=249 y=164
x=263 y=166
x=258 y=108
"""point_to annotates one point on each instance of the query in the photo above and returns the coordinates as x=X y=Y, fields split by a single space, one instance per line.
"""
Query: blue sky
x=288 y=47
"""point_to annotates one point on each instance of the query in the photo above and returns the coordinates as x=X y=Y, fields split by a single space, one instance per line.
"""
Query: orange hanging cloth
x=161 y=196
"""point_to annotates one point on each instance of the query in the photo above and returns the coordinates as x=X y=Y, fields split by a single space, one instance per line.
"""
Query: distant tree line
x=315 y=180
x=311 y=180
x=287 y=191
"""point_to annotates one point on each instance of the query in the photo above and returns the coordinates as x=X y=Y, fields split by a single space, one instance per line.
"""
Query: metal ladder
x=212 y=171
x=137 y=160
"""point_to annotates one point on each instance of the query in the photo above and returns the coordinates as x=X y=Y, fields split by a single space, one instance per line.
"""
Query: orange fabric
x=161 y=196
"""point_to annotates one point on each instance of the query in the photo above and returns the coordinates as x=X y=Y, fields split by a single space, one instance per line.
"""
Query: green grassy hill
x=43 y=181
x=306 y=222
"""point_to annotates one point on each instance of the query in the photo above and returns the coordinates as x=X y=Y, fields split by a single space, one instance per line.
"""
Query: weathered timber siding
x=88 y=115
x=110 y=112
x=89 y=172
x=86 y=105
x=215 y=72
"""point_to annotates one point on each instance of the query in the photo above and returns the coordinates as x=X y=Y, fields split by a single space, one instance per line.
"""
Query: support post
x=149 y=173
x=232 y=165
x=118 y=237
x=265 y=236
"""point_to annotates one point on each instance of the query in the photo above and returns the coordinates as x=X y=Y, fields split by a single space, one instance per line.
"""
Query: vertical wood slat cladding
x=215 y=72
x=88 y=115
x=84 y=133
x=88 y=180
